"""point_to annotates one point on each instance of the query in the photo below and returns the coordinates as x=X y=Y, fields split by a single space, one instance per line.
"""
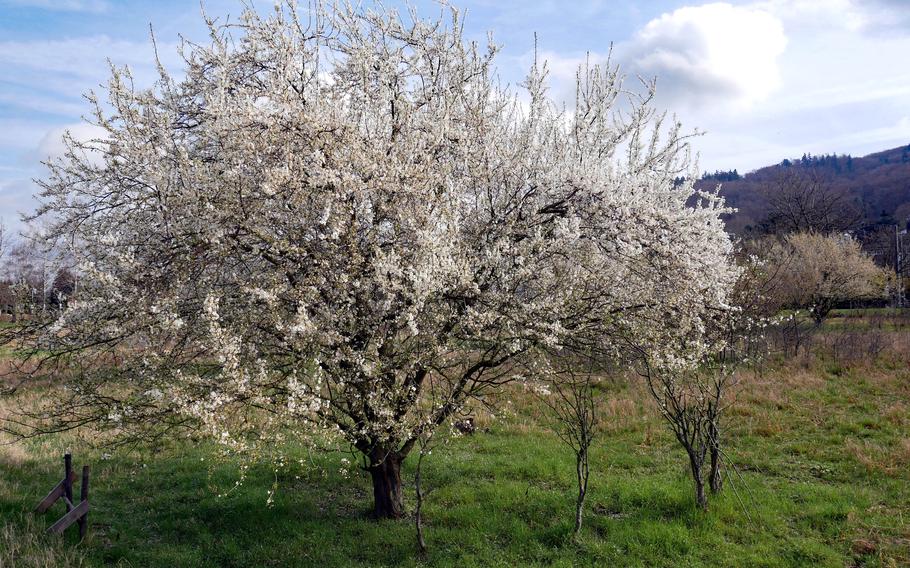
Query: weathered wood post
x=68 y=480
x=64 y=490
x=83 y=496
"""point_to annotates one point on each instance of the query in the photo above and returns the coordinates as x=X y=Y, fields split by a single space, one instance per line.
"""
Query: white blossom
x=328 y=216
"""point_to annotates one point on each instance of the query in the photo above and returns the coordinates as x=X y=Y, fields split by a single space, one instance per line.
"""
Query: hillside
x=877 y=186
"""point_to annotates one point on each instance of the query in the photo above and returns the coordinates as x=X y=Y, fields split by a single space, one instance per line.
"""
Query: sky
x=763 y=79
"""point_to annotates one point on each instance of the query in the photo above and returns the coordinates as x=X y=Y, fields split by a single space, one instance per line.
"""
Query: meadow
x=819 y=447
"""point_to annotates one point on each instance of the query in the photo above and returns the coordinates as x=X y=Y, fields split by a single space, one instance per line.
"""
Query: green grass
x=866 y=312
x=822 y=479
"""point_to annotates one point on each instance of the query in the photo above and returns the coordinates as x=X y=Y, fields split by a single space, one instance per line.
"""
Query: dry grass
x=24 y=545
x=891 y=459
x=759 y=398
x=621 y=413
x=13 y=455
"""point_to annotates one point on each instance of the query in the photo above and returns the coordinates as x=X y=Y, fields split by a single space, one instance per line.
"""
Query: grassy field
x=822 y=478
x=885 y=319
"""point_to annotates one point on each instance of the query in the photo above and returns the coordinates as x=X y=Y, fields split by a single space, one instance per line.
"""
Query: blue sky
x=766 y=79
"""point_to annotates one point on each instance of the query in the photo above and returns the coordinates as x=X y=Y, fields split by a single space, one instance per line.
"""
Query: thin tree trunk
x=385 y=469
x=581 y=470
x=418 y=520
x=701 y=500
x=715 y=478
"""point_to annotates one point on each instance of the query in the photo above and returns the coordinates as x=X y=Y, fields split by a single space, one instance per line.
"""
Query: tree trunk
x=418 y=520
x=581 y=470
x=701 y=500
x=714 y=477
x=385 y=469
x=579 y=510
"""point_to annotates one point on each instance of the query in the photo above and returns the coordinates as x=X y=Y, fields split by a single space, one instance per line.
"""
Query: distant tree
x=883 y=241
x=7 y=301
x=817 y=272
x=27 y=274
x=32 y=265
x=62 y=287
x=801 y=200
x=836 y=164
x=719 y=175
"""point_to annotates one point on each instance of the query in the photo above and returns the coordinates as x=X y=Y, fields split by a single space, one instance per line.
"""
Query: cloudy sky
x=766 y=79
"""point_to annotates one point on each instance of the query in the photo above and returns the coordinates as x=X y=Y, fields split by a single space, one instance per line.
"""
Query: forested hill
x=875 y=188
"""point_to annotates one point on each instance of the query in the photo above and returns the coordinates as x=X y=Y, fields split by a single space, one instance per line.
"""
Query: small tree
x=425 y=447
x=692 y=395
x=570 y=398
x=340 y=224
x=759 y=295
x=818 y=272
x=692 y=401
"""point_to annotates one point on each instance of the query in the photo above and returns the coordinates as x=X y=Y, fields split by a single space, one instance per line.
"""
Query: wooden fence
x=64 y=490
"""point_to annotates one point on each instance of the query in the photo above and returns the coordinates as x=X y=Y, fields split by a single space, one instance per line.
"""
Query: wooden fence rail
x=64 y=490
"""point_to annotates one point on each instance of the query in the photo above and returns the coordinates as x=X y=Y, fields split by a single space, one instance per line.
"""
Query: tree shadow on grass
x=167 y=511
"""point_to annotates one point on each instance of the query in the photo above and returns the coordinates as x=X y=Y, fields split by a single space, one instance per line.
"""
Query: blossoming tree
x=338 y=223
x=818 y=272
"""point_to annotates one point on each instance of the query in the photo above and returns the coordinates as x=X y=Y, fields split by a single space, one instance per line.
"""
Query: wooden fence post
x=68 y=480
x=83 y=496
x=64 y=490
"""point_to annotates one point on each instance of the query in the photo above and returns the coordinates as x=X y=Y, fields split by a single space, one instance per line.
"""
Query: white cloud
x=710 y=53
x=48 y=77
x=17 y=189
x=873 y=139
x=797 y=14
x=52 y=147
x=45 y=80
x=63 y=5
x=85 y=57
x=44 y=104
x=16 y=197
x=867 y=16
x=19 y=135
x=884 y=88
